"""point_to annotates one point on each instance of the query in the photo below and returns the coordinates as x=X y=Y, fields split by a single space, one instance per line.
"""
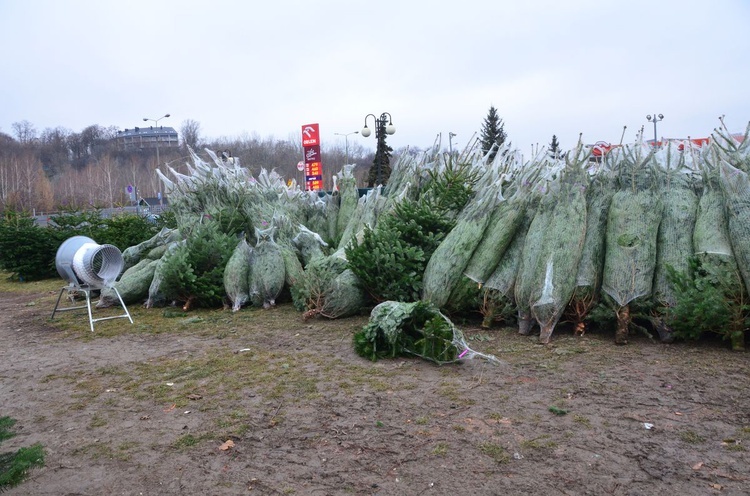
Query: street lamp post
x=156 y=125
x=346 y=142
x=381 y=129
x=655 y=118
x=158 y=162
x=450 y=142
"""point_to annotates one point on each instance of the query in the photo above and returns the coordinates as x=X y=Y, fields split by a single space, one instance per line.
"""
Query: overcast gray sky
x=268 y=67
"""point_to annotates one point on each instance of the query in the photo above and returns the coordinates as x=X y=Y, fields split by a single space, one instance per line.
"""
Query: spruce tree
x=382 y=159
x=554 y=147
x=493 y=132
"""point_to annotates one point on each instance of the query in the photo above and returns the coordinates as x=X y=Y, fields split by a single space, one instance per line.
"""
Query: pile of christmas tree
x=626 y=239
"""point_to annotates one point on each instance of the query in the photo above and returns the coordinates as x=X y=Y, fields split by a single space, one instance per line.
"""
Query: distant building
x=156 y=204
x=602 y=148
x=141 y=138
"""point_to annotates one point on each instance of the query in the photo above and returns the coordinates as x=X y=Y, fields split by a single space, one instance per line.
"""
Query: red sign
x=310 y=135
x=316 y=184
x=313 y=169
x=312 y=154
x=312 y=161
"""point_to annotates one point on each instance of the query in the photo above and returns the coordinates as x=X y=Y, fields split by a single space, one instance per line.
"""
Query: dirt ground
x=137 y=410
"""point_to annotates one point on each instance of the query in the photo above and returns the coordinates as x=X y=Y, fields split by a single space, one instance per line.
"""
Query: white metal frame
x=85 y=288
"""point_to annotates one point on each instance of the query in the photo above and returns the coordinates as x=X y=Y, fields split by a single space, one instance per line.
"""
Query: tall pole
x=346 y=142
x=655 y=118
x=158 y=160
x=379 y=134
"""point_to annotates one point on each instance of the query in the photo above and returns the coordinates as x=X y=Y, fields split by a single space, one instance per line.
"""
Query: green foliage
x=124 y=231
x=495 y=307
x=15 y=466
x=493 y=132
x=380 y=170
x=710 y=297
x=166 y=219
x=557 y=410
x=554 y=148
x=26 y=250
x=316 y=292
x=121 y=231
x=231 y=219
x=640 y=313
x=419 y=224
x=451 y=188
x=466 y=297
x=390 y=260
x=397 y=329
x=388 y=267
x=194 y=271
x=84 y=223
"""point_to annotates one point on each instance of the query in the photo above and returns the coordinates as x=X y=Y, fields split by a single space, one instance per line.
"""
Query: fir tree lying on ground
x=15 y=466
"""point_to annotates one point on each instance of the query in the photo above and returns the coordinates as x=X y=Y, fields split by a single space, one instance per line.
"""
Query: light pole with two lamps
x=346 y=141
x=158 y=162
x=381 y=129
x=156 y=125
x=655 y=118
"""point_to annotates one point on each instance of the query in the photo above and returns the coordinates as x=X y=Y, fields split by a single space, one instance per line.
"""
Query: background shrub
x=28 y=251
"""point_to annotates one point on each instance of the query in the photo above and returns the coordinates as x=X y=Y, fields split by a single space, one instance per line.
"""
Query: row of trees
x=493 y=133
x=59 y=169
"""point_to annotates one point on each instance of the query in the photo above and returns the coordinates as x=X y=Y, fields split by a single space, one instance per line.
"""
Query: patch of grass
x=421 y=420
x=186 y=441
x=453 y=393
x=495 y=451
x=691 y=437
x=368 y=377
x=43 y=286
x=440 y=449
x=736 y=446
x=95 y=450
x=582 y=420
x=110 y=370
x=538 y=443
x=97 y=421
x=128 y=445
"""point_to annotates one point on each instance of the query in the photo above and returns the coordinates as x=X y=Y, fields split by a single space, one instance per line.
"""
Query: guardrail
x=43 y=219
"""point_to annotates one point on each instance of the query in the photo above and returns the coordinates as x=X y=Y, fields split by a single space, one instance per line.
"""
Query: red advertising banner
x=314 y=185
x=314 y=169
x=312 y=154
x=310 y=135
x=313 y=165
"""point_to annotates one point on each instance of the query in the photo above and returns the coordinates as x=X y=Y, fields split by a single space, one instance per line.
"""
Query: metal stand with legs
x=86 y=289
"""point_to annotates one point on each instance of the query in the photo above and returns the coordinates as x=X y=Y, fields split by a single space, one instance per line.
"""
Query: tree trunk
x=623 y=324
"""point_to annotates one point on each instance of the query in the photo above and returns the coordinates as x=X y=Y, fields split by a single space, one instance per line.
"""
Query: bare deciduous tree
x=190 y=131
x=25 y=132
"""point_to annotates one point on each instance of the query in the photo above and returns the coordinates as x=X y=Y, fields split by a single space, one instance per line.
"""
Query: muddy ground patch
x=264 y=402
